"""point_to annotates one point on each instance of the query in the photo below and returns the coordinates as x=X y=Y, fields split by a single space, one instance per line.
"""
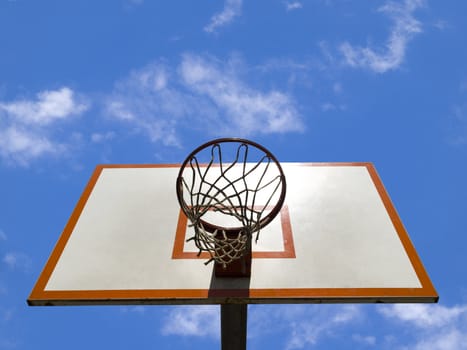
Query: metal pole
x=233 y=326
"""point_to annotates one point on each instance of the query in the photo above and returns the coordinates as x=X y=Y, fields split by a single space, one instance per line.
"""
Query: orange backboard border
x=41 y=296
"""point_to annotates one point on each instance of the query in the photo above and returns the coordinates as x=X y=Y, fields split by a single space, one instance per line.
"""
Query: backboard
x=337 y=238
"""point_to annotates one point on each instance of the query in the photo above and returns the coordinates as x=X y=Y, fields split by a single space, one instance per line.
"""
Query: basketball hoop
x=229 y=189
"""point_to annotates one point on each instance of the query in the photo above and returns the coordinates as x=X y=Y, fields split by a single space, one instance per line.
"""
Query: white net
x=229 y=202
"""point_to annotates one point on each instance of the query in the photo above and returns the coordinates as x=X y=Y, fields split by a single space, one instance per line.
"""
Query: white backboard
x=338 y=238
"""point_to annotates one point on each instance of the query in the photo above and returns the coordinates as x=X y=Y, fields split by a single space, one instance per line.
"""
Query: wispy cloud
x=145 y=101
x=405 y=27
x=308 y=331
x=232 y=9
x=26 y=124
x=328 y=107
x=21 y=146
x=197 y=321
x=3 y=236
x=419 y=326
x=98 y=137
x=441 y=24
x=293 y=5
x=304 y=326
x=416 y=326
x=200 y=94
x=425 y=316
x=437 y=327
x=17 y=260
x=248 y=110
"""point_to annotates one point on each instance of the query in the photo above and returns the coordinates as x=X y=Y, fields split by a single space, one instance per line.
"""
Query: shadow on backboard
x=229 y=287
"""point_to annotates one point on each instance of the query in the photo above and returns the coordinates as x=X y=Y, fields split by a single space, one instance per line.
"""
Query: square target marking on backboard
x=274 y=241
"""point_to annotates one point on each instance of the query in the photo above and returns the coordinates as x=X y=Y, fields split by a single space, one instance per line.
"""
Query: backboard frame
x=40 y=295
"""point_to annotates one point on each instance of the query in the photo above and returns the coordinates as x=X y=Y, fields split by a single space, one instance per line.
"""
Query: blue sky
x=134 y=81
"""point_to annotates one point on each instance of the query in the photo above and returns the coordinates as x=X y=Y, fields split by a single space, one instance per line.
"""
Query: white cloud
x=451 y=339
x=201 y=94
x=146 y=102
x=48 y=107
x=26 y=126
x=302 y=326
x=21 y=146
x=419 y=326
x=232 y=9
x=307 y=331
x=118 y=109
x=17 y=260
x=295 y=72
x=198 y=321
x=3 y=236
x=422 y=315
x=294 y=5
x=328 y=107
x=441 y=24
x=247 y=110
x=438 y=327
x=405 y=27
